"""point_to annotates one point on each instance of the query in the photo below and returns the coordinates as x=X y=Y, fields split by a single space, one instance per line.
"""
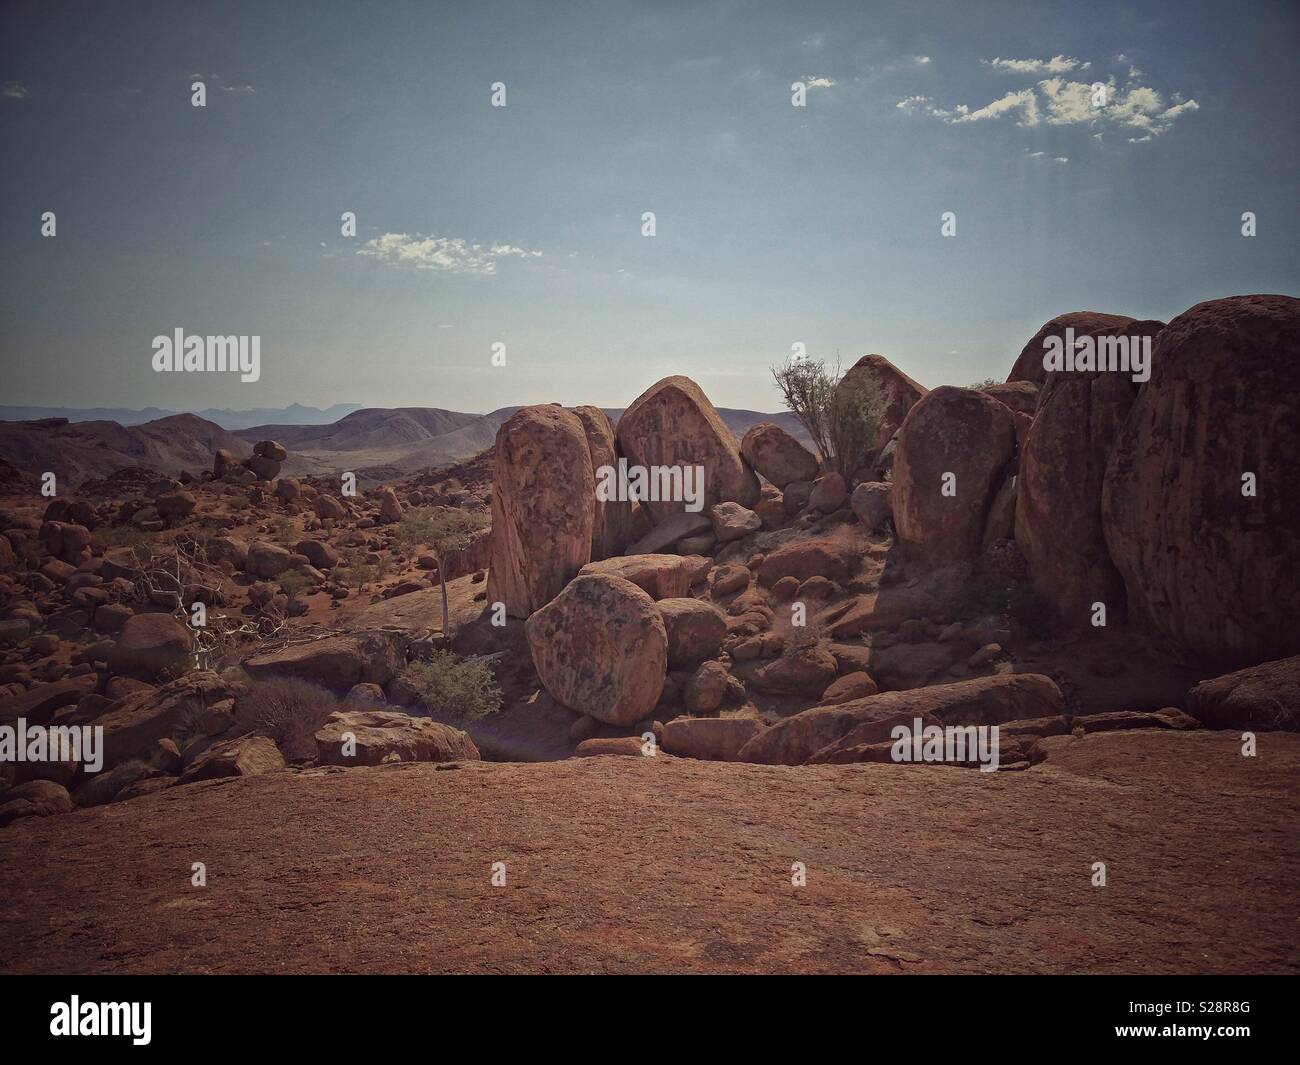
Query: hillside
x=76 y=451
x=386 y=441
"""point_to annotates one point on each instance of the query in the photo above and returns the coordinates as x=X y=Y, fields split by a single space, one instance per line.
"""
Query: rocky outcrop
x=823 y=556
x=1261 y=697
x=612 y=519
x=1058 y=492
x=695 y=631
x=600 y=648
x=777 y=455
x=659 y=576
x=982 y=701
x=543 y=507
x=1029 y=363
x=938 y=518
x=876 y=376
x=380 y=737
x=152 y=643
x=1203 y=561
x=335 y=662
x=246 y=756
x=714 y=739
x=673 y=424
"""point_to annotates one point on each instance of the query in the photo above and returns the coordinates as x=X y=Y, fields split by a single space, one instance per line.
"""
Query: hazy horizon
x=775 y=224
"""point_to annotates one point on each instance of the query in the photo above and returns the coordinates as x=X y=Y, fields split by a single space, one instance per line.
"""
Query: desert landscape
x=716 y=690
x=526 y=490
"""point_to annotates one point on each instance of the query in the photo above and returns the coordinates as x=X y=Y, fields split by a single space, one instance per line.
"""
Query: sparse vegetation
x=287 y=710
x=983 y=386
x=463 y=689
x=807 y=386
x=443 y=530
x=855 y=415
x=841 y=412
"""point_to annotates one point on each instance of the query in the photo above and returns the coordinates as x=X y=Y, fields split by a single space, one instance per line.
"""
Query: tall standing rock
x=1029 y=363
x=543 y=507
x=612 y=519
x=1203 y=561
x=673 y=423
x=1058 y=492
x=957 y=431
x=876 y=375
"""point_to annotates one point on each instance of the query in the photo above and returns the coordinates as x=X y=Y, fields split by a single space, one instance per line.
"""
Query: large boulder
x=151 y=643
x=1029 y=363
x=958 y=431
x=673 y=424
x=134 y=725
x=875 y=376
x=777 y=455
x=695 y=630
x=245 y=756
x=335 y=662
x=378 y=737
x=982 y=701
x=1203 y=562
x=670 y=531
x=600 y=648
x=714 y=739
x=543 y=507
x=823 y=556
x=267 y=560
x=1058 y=491
x=659 y=576
x=612 y=519
x=1259 y=697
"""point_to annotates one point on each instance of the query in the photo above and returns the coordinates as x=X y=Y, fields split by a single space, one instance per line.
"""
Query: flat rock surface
x=670 y=865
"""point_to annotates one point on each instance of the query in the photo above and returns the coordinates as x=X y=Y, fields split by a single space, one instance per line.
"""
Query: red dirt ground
x=668 y=865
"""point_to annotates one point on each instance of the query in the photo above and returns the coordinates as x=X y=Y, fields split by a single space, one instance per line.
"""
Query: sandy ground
x=654 y=865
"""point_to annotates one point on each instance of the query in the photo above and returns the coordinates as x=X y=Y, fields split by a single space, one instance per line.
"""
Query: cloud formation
x=1136 y=109
x=448 y=254
x=1058 y=64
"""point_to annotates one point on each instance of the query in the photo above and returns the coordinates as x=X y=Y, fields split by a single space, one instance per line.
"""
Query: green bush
x=449 y=687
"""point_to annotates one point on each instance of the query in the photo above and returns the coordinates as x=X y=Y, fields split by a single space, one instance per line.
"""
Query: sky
x=775 y=225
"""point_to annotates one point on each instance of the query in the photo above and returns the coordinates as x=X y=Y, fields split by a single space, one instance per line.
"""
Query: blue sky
x=522 y=224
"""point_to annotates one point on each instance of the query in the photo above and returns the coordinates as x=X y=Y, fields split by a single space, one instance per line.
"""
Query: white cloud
x=238 y=88
x=1058 y=64
x=448 y=254
x=921 y=60
x=13 y=90
x=1139 y=109
x=817 y=82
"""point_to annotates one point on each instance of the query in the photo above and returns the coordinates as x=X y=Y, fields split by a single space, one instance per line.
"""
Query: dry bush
x=288 y=710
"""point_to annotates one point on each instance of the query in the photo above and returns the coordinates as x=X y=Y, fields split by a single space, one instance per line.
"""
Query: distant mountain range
x=379 y=443
x=294 y=414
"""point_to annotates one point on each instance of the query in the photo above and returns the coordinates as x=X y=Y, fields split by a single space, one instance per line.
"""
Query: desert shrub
x=842 y=412
x=283 y=531
x=806 y=386
x=983 y=386
x=294 y=582
x=288 y=710
x=451 y=687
